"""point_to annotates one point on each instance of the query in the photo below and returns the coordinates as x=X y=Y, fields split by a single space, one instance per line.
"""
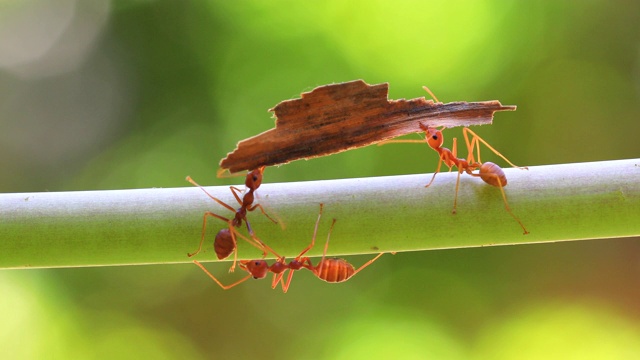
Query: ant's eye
x=255 y=178
x=257 y=263
x=435 y=137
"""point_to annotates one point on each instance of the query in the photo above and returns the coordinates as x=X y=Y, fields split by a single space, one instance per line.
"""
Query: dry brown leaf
x=339 y=117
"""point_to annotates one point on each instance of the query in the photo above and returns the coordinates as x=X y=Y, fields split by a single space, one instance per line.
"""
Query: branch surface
x=124 y=227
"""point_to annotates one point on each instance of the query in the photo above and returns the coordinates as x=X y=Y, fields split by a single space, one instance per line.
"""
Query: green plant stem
x=125 y=227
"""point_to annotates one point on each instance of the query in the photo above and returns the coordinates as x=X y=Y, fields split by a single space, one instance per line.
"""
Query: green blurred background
x=137 y=94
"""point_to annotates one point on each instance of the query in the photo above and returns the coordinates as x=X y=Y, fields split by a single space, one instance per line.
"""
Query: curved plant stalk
x=125 y=227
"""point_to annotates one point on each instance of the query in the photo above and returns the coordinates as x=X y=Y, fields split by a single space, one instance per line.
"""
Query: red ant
x=225 y=242
x=331 y=270
x=489 y=172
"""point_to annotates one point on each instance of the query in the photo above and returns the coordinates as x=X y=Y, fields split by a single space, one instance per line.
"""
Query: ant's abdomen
x=335 y=270
x=223 y=244
x=490 y=173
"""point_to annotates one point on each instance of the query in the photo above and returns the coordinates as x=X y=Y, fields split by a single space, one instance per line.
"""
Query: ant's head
x=433 y=137
x=254 y=178
x=257 y=268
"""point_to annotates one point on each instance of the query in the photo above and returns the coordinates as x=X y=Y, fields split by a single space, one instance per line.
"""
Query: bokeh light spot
x=561 y=331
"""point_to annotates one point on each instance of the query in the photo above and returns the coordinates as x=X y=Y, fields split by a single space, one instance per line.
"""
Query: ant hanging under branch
x=332 y=270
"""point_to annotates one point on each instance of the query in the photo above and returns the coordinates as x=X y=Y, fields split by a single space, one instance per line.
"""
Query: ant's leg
x=326 y=247
x=460 y=169
x=235 y=248
x=401 y=141
x=258 y=206
x=277 y=278
x=436 y=172
x=235 y=191
x=431 y=93
x=225 y=287
x=285 y=284
x=506 y=204
x=262 y=246
x=455 y=198
x=255 y=241
x=471 y=145
x=225 y=173
x=275 y=219
x=306 y=263
x=494 y=150
x=367 y=264
x=315 y=232
x=454 y=148
x=204 y=228
x=189 y=179
x=454 y=152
